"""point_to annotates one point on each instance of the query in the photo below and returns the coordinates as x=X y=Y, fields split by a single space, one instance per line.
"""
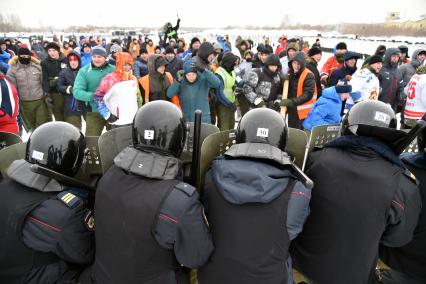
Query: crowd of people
x=256 y=217
x=50 y=85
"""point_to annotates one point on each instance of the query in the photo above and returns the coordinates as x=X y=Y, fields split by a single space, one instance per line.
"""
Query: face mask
x=25 y=61
x=340 y=58
x=249 y=59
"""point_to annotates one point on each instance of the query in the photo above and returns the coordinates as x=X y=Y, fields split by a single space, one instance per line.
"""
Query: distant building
x=393 y=19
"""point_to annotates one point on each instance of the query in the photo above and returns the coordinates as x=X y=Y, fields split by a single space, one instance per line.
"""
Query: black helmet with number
x=263 y=125
x=159 y=126
x=58 y=146
x=374 y=119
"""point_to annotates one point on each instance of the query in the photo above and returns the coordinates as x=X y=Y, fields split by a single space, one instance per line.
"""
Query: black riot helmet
x=374 y=119
x=159 y=126
x=263 y=125
x=58 y=146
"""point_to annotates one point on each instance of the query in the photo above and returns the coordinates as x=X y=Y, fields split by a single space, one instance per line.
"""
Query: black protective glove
x=112 y=118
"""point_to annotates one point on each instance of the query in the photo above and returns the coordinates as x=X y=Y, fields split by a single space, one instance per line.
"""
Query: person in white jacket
x=415 y=107
x=118 y=97
x=365 y=83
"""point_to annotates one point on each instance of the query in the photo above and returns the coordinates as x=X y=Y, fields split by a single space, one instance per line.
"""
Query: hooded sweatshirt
x=284 y=60
x=194 y=95
x=154 y=84
x=309 y=85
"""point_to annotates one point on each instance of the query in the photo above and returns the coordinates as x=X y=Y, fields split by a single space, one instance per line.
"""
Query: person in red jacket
x=283 y=44
x=9 y=106
x=333 y=62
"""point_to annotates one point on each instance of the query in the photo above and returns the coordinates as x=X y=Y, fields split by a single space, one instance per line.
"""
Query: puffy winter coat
x=26 y=78
x=326 y=110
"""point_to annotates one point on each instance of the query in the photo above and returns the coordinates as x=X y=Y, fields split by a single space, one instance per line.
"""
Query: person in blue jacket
x=193 y=90
x=4 y=60
x=327 y=109
x=86 y=54
x=346 y=72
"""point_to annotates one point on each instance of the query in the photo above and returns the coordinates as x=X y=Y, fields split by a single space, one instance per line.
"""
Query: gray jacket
x=26 y=78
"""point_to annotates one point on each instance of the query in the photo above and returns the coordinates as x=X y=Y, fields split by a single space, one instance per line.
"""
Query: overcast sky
x=202 y=13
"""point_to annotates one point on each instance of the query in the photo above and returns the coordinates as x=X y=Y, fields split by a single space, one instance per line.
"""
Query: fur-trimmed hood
x=14 y=61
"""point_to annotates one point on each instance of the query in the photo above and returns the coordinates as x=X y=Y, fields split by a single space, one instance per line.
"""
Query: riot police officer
x=408 y=262
x=363 y=196
x=148 y=223
x=255 y=205
x=45 y=235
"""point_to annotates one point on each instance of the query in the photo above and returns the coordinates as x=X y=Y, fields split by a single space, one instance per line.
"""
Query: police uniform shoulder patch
x=186 y=188
x=411 y=176
x=69 y=199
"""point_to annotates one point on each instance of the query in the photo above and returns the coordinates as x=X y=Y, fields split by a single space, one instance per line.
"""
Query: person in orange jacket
x=150 y=47
x=302 y=93
x=333 y=62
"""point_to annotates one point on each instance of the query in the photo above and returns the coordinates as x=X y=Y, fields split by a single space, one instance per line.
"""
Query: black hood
x=79 y=59
x=272 y=59
x=299 y=57
x=381 y=49
x=228 y=61
x=205 y=50
x=155 y=61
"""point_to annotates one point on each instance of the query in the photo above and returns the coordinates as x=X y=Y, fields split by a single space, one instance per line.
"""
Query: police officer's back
x=43 y=232
x=363 y=196
x=408 y=262
x=148 y=223
x=254 y=204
